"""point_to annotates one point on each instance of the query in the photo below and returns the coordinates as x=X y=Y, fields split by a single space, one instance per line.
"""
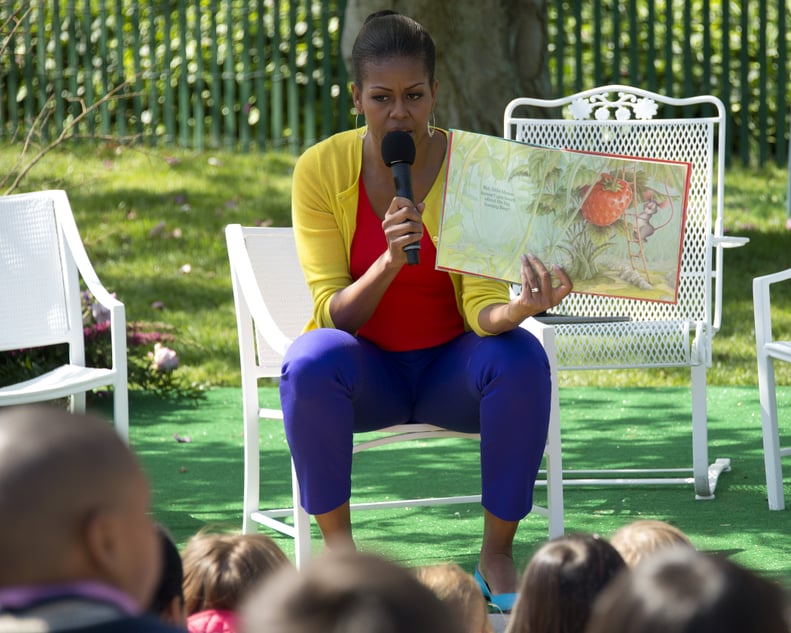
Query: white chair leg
x=771 y=434
x=252 y=470
x=555 y=470
x=121 y=413
x=77 y=402
x=302 y=546
x=700 y=435
x=554 y=461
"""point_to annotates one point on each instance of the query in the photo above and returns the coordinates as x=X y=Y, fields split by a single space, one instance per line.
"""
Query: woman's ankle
x=499 y=572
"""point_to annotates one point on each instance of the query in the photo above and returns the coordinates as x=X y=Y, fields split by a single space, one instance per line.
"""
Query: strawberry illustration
x=607 y=200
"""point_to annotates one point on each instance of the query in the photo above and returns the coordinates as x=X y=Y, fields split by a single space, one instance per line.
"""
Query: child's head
x=219 y=569
x=168 y=601
x=639 y=538
x=560 y=583
x=680 y=590
x=346 y=591
x=458 y=589
x=74 y=503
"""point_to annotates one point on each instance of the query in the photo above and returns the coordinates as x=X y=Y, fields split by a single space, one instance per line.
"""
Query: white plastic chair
x=42 y=259
x=769 y=350
x=273 y=305
x=596 y=332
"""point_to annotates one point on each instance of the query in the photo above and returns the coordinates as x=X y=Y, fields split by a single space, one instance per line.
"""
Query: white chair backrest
x=681 y=139
x=38 y=277
x=283 y=305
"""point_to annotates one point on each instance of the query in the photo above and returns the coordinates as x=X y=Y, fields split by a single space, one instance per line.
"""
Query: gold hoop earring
x=357 y=126
x=430 y=126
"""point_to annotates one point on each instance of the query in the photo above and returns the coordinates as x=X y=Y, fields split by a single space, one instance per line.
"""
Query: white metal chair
x=596 y=332
x=769 y=350
x=42 y=259
x=273 y=304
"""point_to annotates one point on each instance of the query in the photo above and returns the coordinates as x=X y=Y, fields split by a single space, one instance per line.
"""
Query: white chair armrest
x=88 y=274
x=762 y=305
x=545 y=333
x=537 y=328
x=764 y=281
x=265 y=324
x=729 y=241
x=102 y=295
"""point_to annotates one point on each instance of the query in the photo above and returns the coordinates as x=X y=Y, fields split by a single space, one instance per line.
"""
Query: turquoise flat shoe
x=502 y=601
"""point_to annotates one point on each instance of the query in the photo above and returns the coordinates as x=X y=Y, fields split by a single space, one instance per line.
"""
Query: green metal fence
x=268 y=73
x=736 y=50
x=196 y=73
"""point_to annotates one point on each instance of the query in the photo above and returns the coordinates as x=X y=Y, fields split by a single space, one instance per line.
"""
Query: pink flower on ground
x=163 y=358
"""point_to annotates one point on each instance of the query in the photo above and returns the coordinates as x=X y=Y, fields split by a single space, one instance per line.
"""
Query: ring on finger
x=535 y=290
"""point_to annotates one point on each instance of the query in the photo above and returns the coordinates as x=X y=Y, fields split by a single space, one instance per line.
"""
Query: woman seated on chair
x=393 y=343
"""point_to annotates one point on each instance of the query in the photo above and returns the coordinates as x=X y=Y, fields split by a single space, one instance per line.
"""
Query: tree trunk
x=488 y=52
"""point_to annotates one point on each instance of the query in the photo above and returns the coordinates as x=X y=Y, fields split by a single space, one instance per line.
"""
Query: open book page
x=614 y=223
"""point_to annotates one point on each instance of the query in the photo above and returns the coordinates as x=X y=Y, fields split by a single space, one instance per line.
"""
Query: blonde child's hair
x=644 y=537
x=220 y=569
x=458 y=589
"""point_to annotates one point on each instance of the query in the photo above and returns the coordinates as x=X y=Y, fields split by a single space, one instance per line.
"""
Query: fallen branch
x=21 y=169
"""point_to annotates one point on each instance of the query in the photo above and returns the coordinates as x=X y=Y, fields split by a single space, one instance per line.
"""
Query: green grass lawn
x=153 y=220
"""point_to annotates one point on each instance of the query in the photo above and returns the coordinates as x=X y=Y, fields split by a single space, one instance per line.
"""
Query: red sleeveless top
x=419 y=308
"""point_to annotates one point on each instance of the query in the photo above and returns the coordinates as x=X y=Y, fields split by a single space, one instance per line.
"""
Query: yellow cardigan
x=325 y=189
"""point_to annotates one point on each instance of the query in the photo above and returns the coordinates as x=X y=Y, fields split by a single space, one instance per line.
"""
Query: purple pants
x=334 y=384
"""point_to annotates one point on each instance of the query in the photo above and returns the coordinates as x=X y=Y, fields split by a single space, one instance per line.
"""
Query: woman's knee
x=317 y=354
x=515 y=351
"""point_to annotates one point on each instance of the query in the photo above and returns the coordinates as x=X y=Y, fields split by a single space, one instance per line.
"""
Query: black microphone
x=398 y=153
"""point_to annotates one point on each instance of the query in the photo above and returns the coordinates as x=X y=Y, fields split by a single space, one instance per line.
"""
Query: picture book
x=614 y=223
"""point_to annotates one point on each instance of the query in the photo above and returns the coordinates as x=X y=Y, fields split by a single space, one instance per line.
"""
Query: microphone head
x=398 y=147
